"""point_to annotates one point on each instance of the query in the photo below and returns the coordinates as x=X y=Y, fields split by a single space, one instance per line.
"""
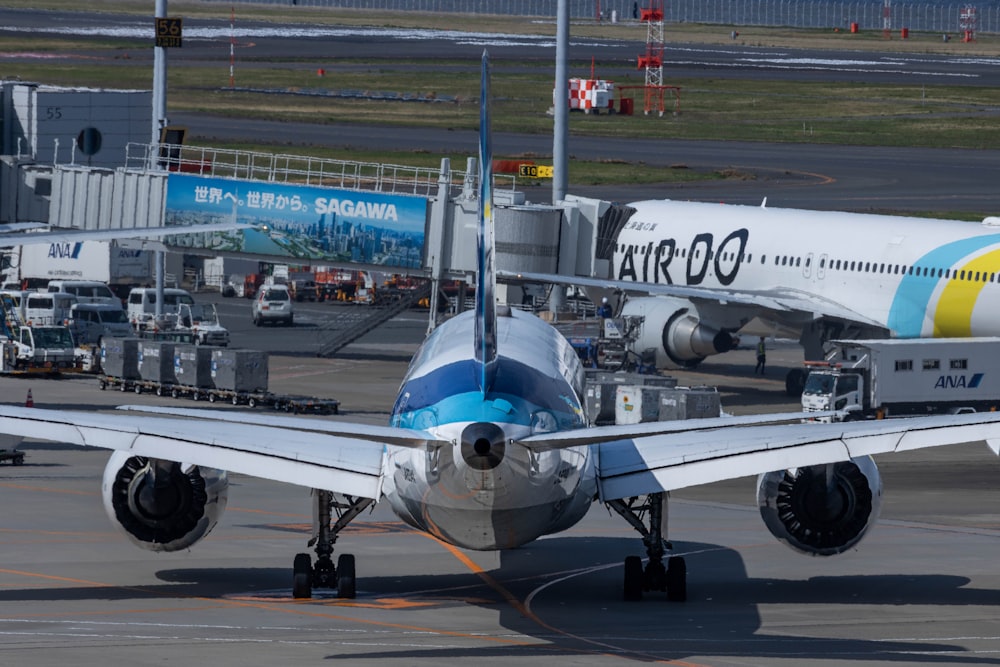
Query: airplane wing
x=296 y=455
x=13 y=239
x=390 y=435
x=662 y=462
x=778 y=300
x=601 y=434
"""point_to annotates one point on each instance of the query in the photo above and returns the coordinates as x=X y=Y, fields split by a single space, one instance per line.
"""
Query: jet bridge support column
x=437 y=239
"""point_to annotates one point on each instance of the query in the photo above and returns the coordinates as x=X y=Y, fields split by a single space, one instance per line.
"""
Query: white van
x=86 y=291
x=48 y=307
x=93 y=322
x=141 y=308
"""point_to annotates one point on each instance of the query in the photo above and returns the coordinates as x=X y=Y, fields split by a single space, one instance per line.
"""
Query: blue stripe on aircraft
x=453 y=393
x=913 y=296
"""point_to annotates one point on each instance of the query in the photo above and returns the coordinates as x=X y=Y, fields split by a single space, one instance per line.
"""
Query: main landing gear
x=655 y=577
x=305 y=575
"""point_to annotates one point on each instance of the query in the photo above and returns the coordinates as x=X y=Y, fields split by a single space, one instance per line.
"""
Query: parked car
x=273 y=303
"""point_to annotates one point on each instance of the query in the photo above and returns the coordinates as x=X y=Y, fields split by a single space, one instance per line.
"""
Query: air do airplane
x=711 y=268
x=487 y=449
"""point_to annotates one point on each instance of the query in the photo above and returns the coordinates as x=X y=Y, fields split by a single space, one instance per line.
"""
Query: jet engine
x=676 y=330
x=821 y=510
x=163 y=505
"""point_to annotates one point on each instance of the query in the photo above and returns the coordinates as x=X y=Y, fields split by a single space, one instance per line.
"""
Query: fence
x=869 y=15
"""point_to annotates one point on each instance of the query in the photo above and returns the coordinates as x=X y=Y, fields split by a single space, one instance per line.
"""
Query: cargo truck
x=101 y=261
x=875 y=379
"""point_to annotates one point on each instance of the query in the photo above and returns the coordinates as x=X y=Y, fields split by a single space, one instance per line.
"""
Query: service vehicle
x=273 y=303
x=92 y=322
x=202 y=320
x=869 y=379
x=38 y=349
x=86 y=291
x=48 y=307
x=141 y=306
x=168 y=366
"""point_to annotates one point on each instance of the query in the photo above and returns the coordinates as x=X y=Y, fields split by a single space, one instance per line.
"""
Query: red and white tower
x=652 y=60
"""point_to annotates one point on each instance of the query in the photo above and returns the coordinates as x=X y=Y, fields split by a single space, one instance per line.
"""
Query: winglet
x=486 y=311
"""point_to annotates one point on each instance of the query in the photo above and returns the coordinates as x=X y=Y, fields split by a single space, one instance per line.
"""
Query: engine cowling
x=819 y=516
x=163 y=505
x=676 y=330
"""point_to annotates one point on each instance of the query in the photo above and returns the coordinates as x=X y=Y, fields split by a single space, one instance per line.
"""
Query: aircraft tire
x=345 y=577
x=632 y=591
x=302 y=577
x=676 y=579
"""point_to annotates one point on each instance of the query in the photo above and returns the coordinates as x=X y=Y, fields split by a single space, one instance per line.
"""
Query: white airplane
x=18 y=234
x=825 y=274
x=487 y=449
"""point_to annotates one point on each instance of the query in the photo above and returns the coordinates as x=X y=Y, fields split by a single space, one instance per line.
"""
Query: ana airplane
x=487 y=450
x=18 y=234
x=824 y=274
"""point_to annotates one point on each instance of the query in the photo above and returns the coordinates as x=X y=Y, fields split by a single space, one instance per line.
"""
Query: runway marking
x=46 y=489
x=269 y=606
x=525 y=609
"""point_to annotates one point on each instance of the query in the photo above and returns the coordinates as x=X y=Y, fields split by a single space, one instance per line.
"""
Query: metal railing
x=284 y=168
x=926 y=16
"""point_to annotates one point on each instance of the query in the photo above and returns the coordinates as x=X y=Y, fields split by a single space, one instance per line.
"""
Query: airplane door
x=807 y=266
x=821 y=269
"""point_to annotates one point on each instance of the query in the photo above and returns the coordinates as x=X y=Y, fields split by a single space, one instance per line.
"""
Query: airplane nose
x=483 y=445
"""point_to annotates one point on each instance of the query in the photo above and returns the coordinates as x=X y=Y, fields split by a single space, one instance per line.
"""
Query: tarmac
x=923 y=588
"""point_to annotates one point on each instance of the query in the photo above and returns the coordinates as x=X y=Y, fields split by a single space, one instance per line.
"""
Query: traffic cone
x=29 y=402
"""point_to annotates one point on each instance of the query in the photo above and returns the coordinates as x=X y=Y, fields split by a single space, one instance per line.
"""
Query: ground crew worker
x=761 y=356
x=605 y=308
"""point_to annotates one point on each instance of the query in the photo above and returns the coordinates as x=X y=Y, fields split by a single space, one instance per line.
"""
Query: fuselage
x=486 y=491
x=916 y=277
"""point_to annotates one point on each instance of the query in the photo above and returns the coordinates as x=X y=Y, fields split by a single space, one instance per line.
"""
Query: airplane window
x=852 y=266
x=838 y=265
x=784 y=261
x=977 y=276
x=807 y=261
x=868 y=267
x=798 y=261
x=961 y=276
x=822 y=263
x=763 y=258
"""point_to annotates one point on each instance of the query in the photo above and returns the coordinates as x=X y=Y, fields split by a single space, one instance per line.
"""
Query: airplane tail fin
x=486 y=311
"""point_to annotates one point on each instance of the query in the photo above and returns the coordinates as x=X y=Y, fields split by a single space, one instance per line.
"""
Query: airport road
x=922 y=589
